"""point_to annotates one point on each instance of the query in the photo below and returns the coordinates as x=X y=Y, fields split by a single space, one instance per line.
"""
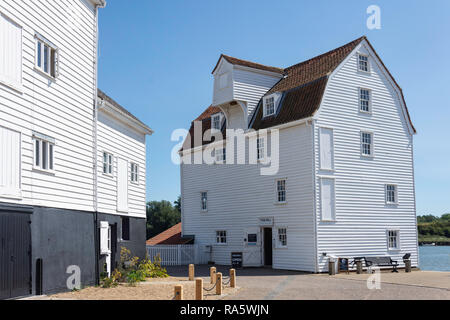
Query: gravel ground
x=153 y=289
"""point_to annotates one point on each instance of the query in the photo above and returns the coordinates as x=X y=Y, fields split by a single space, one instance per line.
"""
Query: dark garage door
x=15 y=255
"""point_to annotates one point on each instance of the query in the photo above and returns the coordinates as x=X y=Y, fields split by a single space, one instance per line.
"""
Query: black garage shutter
x=15 y=254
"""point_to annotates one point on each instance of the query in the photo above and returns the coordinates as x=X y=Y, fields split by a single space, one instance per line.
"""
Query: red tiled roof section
x=315 y=68
x=208 y=113
x=249 y=64
x=298 y=103
x=171 y=236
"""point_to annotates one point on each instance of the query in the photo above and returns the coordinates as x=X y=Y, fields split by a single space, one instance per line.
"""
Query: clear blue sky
x=156 y=59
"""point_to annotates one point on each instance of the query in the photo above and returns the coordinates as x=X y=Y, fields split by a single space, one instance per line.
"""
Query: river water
x=434 y=258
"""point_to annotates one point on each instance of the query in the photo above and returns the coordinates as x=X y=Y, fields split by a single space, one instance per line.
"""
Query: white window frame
x=280 y=244
x=388 y=191
x=109 y=163
x=369 y=91
x=322 y=167
x=134 y=173
x=40 y=44
x=362 y=143
x=213 y=120
x=17 y=86
x=204 y=201
x=220 y=155
x=359 y=62
x=261 y=148
x=220 y=236
x=41 y=163
x=278 y=191
x=266 y=99
x=334 y=213
x=397 y=239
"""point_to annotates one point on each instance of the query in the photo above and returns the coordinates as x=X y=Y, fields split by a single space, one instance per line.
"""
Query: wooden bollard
x=191 y=272
x=212 y=273
x=233 y=278
x=359 y=267
x=198 y=289
x=178 y=292
x=408 y=266
x=219 y=284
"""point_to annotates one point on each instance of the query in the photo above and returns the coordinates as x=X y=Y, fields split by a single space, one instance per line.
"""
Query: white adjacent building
x=339 y=182
x=54 y=128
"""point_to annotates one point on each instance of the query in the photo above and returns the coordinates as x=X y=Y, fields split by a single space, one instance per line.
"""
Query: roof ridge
x=252 y=62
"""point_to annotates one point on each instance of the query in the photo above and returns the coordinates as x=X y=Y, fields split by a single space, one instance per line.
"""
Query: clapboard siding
x=61 y=109
x=362 y=215
x=123 y=142
x=238 y=195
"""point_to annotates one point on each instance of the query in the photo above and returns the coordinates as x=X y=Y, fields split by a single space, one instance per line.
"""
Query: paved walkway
x=267 y=284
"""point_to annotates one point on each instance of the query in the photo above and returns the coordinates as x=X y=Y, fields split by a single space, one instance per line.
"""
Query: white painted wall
x=362 y=216
x=127 y=144
x=238 y=196
x=61 y=109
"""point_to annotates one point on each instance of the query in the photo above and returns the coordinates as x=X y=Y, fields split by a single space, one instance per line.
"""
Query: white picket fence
x=178 y=255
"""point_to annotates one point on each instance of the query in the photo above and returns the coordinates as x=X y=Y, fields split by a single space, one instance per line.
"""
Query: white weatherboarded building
x=343 y=184
x=56 y=203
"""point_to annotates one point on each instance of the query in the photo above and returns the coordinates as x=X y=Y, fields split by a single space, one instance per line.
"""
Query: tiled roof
x=249 y=64
x=171 y=236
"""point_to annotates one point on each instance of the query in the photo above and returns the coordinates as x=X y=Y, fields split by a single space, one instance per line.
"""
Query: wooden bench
x=381 y=262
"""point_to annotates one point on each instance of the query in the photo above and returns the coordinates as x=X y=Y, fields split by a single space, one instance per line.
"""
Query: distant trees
x=430 y=225
x=162 y=215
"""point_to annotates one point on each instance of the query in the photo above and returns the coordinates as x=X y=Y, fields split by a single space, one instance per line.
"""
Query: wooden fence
x=178 y=255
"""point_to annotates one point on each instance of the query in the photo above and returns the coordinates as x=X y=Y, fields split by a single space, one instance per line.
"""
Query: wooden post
x=191 y=272
x=178 y=292
x=408 y=266
x=219 y=284
x=331 y=267
x=233 y=278
x=359 y=267
x=212 y=273
x=198 y=289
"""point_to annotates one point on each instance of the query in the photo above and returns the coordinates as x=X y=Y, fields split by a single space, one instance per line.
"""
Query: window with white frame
x=282 y=237
x=221 y=237
x=393 y=239
x=204 y=201
x=134 y=172
x=269 y=106
x=46 y=57
x=221 y=155
x=281 y=191
x=364 y=100
x=391 y=194
x=216 y=121
x=367 y=143
x=44 y=149
x=107 y=163
x=261 y=148
x=363 y=63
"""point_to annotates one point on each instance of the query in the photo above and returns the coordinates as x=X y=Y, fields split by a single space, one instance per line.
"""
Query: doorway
x=268 y=247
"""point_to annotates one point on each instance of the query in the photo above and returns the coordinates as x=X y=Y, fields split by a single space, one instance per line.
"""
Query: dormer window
x=269 y=106
x=363 y=63
x=216 y=122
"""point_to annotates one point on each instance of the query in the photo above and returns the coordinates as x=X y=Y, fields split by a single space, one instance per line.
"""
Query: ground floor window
x=125 y=228
x=394 y=239
x=221 y=237
x=282 y=237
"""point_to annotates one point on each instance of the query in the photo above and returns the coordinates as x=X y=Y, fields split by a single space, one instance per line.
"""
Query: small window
x=126 y=228
x=269 y=106
x=221 y=237
x=134 y=172
x=221 y=155
x=216 y=121
x=282 y=237
x=261 y=148
x=364 y=100
x=393 y=239
x=281 y=191
x=46 y=57
x=107 y=163
x=363 y=63
x=252 y=239
x=204 y=199
x=391 y=194
x=367 y=144
x=44 y=154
